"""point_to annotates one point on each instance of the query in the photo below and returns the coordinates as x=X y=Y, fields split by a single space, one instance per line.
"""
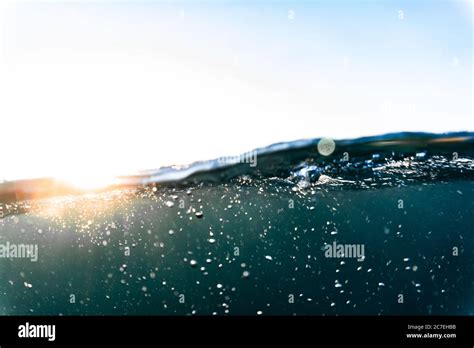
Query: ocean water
x=381 y=226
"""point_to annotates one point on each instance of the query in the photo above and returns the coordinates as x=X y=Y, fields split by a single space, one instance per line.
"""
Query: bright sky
x=93 y=88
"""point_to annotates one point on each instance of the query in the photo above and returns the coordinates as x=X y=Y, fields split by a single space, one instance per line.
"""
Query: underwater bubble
x=420 y=155
x=326 y=146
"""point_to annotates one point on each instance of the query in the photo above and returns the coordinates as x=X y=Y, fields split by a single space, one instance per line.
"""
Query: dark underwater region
x=380 y=226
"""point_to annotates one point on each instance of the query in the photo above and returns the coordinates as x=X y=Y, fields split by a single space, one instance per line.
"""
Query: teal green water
x=256 y=244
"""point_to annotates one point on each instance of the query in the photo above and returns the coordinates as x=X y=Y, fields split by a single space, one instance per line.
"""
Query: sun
x=88 y=182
